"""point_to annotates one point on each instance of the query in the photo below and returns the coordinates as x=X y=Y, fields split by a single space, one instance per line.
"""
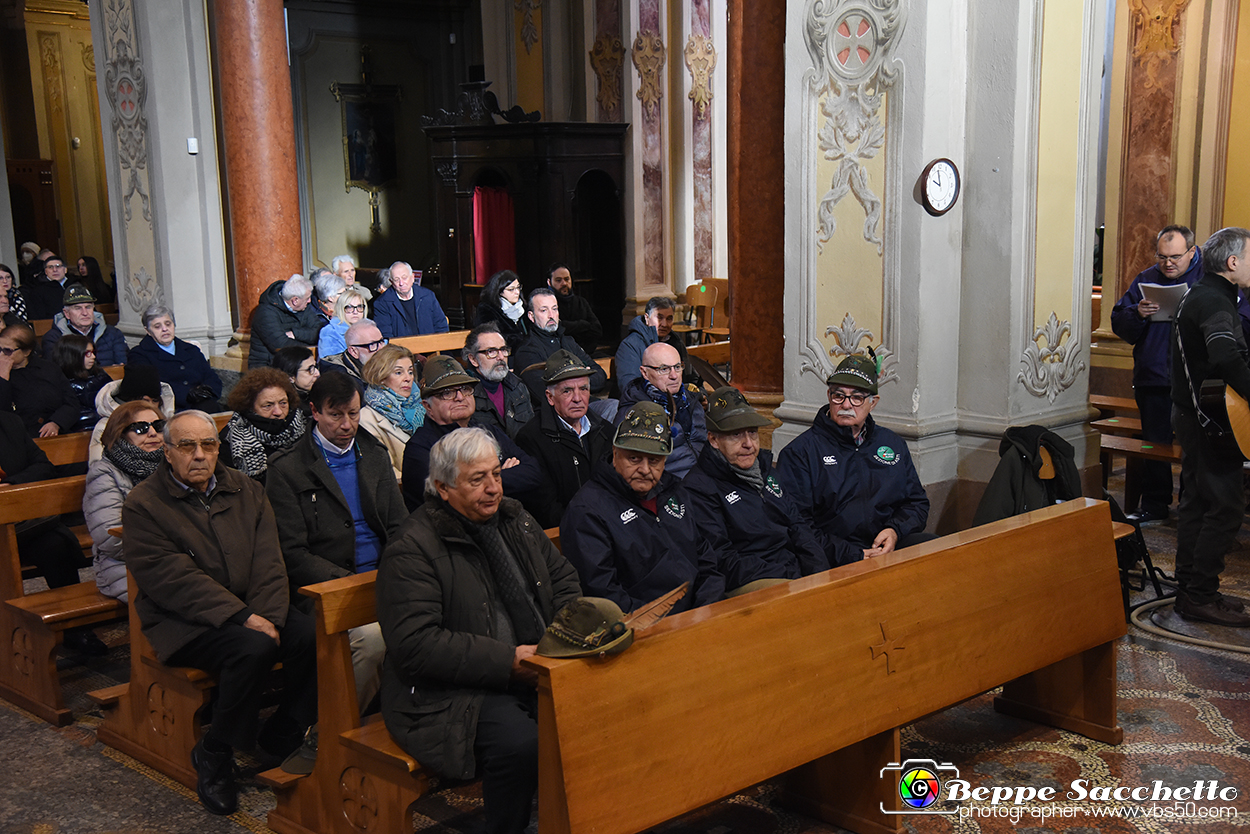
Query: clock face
x=941 y=186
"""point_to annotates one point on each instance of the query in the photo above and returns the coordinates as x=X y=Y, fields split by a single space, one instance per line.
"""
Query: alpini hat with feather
x=856 y=371
x=586 y=626
x=645 y=428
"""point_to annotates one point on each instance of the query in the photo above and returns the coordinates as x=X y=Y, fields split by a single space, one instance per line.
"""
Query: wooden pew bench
x=34 y=625
x=1113 y=406
x=1125 y=426
x=814 y=678
x=1133 y=450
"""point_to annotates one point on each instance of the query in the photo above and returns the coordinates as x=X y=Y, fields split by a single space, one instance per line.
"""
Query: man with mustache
x=501 y=399
x=852 y=479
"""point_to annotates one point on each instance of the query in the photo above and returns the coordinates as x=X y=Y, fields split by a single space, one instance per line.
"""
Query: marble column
x=259 y=137
x=756 y=115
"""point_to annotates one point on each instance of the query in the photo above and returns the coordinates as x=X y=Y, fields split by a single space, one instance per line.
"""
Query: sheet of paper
x=1166 y=296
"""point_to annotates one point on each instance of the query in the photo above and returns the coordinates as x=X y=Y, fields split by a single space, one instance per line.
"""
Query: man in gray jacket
x=463 y=596
x=337 y=504
x=202 y=546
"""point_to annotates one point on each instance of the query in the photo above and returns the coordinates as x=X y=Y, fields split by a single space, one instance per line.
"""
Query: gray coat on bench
x=443 y=653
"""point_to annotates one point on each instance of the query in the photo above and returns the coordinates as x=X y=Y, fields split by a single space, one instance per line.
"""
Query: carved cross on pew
x=886 y=646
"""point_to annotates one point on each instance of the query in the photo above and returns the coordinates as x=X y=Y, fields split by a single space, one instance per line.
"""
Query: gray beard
x=552 y=327
x=495 y=375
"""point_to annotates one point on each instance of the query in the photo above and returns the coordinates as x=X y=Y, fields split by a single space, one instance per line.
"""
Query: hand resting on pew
x=521 y=673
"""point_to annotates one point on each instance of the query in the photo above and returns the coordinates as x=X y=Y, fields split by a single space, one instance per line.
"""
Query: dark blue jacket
x=763 y=535
x=396 y=318
x=638 y=338
x=1151 y=340
x=688 y=420
x=110 y=344
x=851 y=493
x=183 y=370
x=626 y=553
x=521 y=482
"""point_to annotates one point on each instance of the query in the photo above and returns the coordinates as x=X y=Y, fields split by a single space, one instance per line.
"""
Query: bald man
x=660 y=382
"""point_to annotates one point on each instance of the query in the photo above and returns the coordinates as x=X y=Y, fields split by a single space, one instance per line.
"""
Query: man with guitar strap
x=1210 y=345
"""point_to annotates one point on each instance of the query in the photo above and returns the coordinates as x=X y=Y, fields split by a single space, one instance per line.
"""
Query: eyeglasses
x=208 y=445
x=143 y=426
x=495 y=353
x=54 y=266
x=857 y=399
x=353 y=308
x=9 y=351
x=512 y=288
x=373 y=347
x=665 y=370
x=449 y=394
x=1162 y=258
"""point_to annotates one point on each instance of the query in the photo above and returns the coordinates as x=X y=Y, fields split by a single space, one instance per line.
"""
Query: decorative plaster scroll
x=847 y=337
x=50 y=61
x=1154 y=25
x=88 y=58
x=700 y=60
x=143 y=290
x=607 y=56
x=852 y=44
x=529 y=32
x=648 y=55
x=1051 y=368
x=126 y=88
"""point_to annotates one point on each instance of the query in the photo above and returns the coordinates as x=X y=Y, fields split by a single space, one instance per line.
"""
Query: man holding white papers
x=1178 y=263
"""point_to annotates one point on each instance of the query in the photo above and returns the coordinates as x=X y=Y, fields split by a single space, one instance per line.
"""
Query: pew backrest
x=452 y=342
x=75 y=447
x=23 y=502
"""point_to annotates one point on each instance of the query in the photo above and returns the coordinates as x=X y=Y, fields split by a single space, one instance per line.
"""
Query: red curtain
x=494 y=233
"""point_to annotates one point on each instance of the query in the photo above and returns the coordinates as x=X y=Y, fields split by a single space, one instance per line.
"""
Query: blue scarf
x=407 y=414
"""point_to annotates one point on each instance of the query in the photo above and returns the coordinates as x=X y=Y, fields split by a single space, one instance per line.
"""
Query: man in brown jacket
x=202 y=545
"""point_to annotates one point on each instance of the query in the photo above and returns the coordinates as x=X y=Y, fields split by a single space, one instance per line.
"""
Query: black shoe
x=1143 y=517
x=281 y=736
x=84 y=641
x=215 y=780
x=1219 y=611
x=1233 y=603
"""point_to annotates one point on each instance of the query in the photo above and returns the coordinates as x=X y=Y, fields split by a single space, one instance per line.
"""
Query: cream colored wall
x=67 y=111
x=1236 y=203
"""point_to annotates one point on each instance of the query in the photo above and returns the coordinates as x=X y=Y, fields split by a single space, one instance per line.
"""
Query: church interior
x=775 y=154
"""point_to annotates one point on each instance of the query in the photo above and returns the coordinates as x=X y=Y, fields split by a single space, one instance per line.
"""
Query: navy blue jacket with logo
x=851 y=493
x=760 y=534
x=626 y=553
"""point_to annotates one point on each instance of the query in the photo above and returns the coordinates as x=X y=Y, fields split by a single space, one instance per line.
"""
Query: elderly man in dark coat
x=338 y=504
x=283 y=318
x=464 y=594
x=566 y=438
x=738 y=499
x=202 y=545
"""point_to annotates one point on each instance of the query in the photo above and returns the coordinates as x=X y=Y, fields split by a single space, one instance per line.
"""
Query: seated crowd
x=346 y=453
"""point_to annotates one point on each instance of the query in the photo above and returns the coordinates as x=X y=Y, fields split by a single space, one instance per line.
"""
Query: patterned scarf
x=252 y=439
x=132 y=460
x=17 y=304
x=407 y=414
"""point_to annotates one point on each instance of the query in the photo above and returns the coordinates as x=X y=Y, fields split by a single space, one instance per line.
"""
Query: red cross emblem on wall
x=854 y=42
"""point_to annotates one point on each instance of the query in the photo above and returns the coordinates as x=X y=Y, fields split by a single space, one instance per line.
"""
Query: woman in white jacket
x=133 y=448
x=392 y=409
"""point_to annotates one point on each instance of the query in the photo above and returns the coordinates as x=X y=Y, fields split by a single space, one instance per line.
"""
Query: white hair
x=296 y=286
x=191 y=412
x=339 y=260
x=460 y=447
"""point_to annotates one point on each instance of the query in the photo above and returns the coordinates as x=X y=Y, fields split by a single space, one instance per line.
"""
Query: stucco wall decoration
x=649 y=57
x=143 y=290
x=127 y=91
x=700 y=60
x=1052 y=367
x=852 y=45
x=529 y=31
x=607 y=57
x=846 y=340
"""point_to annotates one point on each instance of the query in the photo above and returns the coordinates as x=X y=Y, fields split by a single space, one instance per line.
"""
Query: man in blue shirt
x=337 y=504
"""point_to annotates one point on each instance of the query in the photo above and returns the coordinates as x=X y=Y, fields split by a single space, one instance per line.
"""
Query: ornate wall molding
x=143 y=290
x=700 y=61
x=88 y=58
x=53 y=78
x=607 y=57
x=846 y=340
x=529 y=31
x=1052 y=367
x=648 y=56
x=126 y=89
x=1154 y=33
x=852 y=44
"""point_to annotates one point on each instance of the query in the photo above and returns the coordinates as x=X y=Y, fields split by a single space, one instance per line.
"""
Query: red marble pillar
x=756 y=196
x=258 y=127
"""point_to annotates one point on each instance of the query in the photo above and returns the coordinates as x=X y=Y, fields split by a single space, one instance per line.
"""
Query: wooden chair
x=34 y=624
x=718 y=330
x=700 y=306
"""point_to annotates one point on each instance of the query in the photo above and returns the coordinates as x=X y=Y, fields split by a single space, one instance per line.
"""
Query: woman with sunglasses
x=349 y=308
x=133 y=448
x=266 y=419
x=503 y=303
x=393 y=408
x=12 y=302
x=34 y=387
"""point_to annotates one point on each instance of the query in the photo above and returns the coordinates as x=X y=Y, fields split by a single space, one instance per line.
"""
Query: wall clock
x=939 y=186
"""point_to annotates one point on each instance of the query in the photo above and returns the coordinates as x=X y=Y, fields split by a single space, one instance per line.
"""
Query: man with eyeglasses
x=202 y=545
x=661 y=384
x=447 y=392
x=363 y=339
x=654 y=325
x=45 y=296
x=1178 y=261
x=853 y=479
x=500 y=398
x=545 y=338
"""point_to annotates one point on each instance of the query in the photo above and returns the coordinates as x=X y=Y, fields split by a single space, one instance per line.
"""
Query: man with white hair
x=327 y=287
x=408 y=309
x=464 y=593
x=344 y=267
x=283 y=319
x=202 y=545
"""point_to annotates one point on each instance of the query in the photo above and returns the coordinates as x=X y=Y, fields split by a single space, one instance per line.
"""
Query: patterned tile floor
x=1185 y=709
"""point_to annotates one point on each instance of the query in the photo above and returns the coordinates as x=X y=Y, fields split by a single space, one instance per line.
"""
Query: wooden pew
x=1124 y=426
x=1111 y=406
x=452 y=342
x=814 y=678
x=715 y=353
x=33 y=625
x=74 y=447
x=1133 y=450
